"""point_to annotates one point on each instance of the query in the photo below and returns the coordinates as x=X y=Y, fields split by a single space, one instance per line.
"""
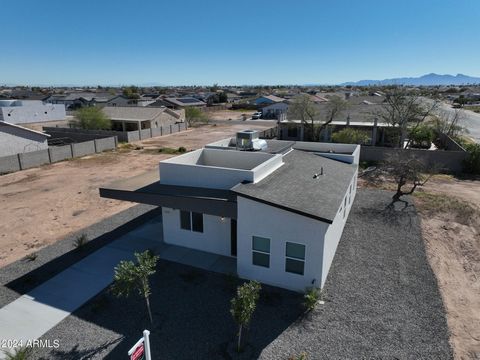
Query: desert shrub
x=22 y=353
x=301 y=356
x=310 y=298
x=80 y=241
x=471 y=164
x=351 y=136
x=31 y=257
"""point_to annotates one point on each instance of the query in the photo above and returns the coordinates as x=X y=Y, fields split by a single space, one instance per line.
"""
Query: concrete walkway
x=33 y=314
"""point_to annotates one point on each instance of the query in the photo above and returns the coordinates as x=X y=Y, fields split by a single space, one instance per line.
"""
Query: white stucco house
x=30 y=111
x=16 y=139
x=279 y=211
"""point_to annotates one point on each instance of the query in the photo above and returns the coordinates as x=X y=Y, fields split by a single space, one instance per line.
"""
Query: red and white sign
x=138 y=353
x=141 y=349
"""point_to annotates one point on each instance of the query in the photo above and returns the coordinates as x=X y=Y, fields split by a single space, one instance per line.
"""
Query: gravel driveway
x=382 y=301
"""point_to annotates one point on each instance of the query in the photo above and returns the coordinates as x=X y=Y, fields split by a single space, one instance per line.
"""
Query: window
x=191 y=221
x=185 y=222
x=295 y=258
x=261 y=251
x=197 y=222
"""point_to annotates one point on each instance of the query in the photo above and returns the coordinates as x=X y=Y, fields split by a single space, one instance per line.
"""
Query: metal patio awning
x=146 y=189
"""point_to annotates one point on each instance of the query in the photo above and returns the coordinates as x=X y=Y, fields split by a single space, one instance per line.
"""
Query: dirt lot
x=450 y=212
x=42 y=205
x=229 y=114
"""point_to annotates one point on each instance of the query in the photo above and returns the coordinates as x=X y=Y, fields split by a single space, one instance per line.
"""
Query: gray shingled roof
x=293 y=188
x=135 y=113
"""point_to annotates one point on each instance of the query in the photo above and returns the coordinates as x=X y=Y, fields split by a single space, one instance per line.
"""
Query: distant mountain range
x=429 y=79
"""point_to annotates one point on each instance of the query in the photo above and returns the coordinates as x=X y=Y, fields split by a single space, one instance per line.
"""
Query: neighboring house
x=122 y=100
x=162 y=103
x=275 y=111
x=208 y=98
x=77 y=100
x=130 y=118
x=279 y=212
x=30 y=111
x=233 y=98
x=184 y=102
x=15 y=139
x=268 y=99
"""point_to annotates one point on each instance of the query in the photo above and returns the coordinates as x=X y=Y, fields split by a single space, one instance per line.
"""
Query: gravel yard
x=381 y=301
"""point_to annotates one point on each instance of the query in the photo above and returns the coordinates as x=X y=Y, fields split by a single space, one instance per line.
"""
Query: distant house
x=276 y=111
x=77 y=100
x=130 y=118
x=268 y=99
x=30 y=111
x=318 y=99
x=184 y=102
x=122 y=100
x=208 y=98
x=233 y=98
x=15 y=139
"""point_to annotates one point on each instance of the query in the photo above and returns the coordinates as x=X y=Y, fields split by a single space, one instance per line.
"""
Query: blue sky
x=106 y=42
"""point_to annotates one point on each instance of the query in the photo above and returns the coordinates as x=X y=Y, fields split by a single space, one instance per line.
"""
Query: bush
x=194 y=115
x=91 y=118
x=422 y=136
x=351 y=136
x=311 y=297
x=81 y=241
x=471 y=164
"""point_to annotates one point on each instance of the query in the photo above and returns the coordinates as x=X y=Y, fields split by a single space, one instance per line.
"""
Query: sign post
x=141 y=349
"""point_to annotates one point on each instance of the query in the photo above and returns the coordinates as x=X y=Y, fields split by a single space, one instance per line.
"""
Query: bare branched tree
x=448 y=122
x=405 y=110
x=407 y=172
x=304 y=109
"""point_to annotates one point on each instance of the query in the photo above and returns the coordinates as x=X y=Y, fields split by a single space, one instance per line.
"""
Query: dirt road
x=42 y=205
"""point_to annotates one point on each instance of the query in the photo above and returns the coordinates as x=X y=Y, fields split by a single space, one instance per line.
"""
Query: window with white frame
x=191 y=221
x=295 y=258
x=260 y=251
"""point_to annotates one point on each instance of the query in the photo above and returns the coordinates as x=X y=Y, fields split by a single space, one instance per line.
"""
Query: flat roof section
x=293 y=187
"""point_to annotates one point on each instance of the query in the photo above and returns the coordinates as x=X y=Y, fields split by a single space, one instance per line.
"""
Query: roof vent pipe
x=315 y=176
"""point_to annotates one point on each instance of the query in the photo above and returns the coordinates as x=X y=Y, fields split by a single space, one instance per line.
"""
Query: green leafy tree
x=214 y=88
x=422 y=135
x=243 y=306
x=131 y=92
x=222 y=97
x=131 y=276
x=91 y=118
x=351 y=136
x=194 y=115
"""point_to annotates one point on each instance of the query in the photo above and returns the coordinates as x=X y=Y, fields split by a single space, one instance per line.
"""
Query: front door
x=233 y=237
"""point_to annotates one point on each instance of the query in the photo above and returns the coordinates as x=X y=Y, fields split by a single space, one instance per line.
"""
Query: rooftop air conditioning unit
x=248 y=140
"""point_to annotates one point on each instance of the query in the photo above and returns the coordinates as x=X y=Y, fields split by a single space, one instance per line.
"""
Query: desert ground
x=450 y=215
x=43 y=205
